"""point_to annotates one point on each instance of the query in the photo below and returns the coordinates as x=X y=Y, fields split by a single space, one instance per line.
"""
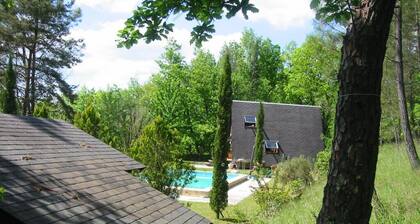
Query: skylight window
x=250 y=121
x=272 y=147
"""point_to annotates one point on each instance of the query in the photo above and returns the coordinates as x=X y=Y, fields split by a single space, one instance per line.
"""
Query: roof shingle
x=56 y=173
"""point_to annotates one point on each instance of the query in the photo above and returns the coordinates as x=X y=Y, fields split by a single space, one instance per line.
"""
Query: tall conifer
x=10 y=106
x=219 y=192
x=259 y=137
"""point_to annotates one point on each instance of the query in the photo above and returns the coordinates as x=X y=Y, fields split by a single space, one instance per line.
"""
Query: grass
x=397 y=185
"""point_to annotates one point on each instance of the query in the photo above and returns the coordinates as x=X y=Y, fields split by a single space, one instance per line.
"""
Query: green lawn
x=398 y=188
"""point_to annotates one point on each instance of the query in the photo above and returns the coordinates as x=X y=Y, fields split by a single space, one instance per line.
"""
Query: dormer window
x=250 y=121
x=272 y=147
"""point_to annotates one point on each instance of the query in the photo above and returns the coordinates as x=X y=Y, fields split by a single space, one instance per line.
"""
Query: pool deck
x=235 y=194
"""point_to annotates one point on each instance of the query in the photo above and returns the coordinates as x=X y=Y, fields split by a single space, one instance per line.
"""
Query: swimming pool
x=201 y=185
x=203 y=179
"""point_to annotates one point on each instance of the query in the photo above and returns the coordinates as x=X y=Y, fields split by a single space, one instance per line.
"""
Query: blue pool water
x=203 y=179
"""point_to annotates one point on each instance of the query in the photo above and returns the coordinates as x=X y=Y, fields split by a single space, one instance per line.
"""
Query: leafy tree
x=259 y=137
x=9 y=101
x=150 y=21
x=42 y=110
x=352 y=172
x=123 y=113
x=179 y=87
x=37 y=32
x=158 y=148
x=257 y=66
x=88 y=120
x=218 y=194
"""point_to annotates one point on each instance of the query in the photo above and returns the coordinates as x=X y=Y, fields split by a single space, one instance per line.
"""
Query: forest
x=183 y=97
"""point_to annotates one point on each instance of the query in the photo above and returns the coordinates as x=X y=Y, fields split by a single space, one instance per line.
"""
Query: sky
x=104 y=65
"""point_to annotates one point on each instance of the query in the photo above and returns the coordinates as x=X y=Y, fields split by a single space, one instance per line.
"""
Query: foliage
x=88 y=120
x=322 y=161
x=258 y=69
x=150 y=21
x=272 y=196
x=2 y=193
x=158 y=148
x=396 y=185
x=219 y=192
x=37 y=33
x=295 y=169
x=259 y=137
x=123 y=113
x=9 y=96
x=42 y=110
x=334 y=10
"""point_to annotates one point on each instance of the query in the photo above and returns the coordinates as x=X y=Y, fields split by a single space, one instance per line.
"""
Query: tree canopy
x=151 y=20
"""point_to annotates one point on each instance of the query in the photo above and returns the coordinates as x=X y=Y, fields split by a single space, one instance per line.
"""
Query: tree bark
x=33 y=69
x=350 y=184
x=26 y=100
x=399 y=71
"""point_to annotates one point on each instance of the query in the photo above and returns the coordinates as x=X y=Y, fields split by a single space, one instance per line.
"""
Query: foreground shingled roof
x=56 y=173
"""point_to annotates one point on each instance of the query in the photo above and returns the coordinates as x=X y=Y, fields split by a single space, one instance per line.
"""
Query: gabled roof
x=56 y=173
x=297 y=128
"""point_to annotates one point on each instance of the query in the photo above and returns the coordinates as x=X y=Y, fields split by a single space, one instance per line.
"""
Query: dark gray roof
x=56 y=173
x=298 y=129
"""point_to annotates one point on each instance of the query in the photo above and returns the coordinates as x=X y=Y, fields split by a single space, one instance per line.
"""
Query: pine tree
x=259 y=137
x=10 y=106
x=218 y=195
x=88 y=120
x=38 y=33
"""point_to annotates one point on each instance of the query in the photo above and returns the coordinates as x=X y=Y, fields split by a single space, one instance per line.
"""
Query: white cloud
x=282 y=14
x=104 y=64
x=117 y=6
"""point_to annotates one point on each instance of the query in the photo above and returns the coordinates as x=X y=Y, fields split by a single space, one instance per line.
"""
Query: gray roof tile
x=56 y=173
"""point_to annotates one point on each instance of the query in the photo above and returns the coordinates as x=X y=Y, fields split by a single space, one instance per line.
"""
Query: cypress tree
x=42 y=110
x=218 y=195
x=88 y=120
x=10 y=106
x=259 y=137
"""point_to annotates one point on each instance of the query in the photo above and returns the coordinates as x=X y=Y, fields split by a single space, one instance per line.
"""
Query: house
x=56 y=173
x=289 y=130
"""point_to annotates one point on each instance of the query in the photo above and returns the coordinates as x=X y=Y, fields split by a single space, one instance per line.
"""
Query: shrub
x=2 y=192
x=322 y=161
x=271 y=196
x=295 y=169
x=158 y=149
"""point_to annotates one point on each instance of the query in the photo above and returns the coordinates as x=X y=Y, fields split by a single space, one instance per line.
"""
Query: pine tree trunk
x=32 y=98
x=350 y=184
x=26 y=100
x=33 y=69
x=405 y=125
